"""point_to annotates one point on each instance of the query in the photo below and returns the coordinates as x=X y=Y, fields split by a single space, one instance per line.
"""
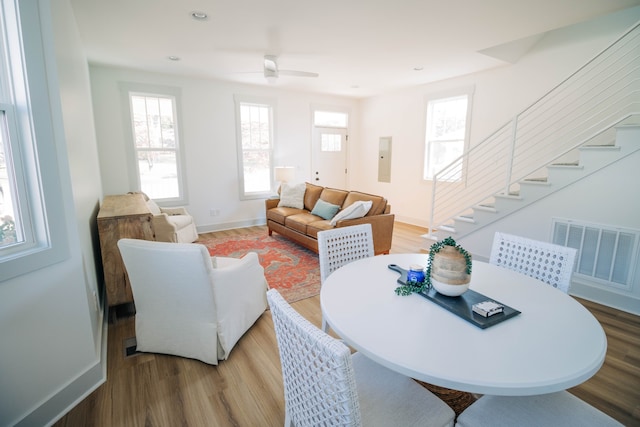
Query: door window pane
x=330 y=142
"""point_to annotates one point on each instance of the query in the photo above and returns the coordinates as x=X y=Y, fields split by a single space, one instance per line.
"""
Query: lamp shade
x=285 y=173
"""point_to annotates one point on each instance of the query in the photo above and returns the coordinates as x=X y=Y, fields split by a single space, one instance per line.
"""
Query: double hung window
x=446 y=136
x=32 y=212
x=157 y=152
x=255 y=136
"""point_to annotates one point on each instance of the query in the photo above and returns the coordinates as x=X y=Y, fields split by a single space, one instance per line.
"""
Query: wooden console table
x=121 y=216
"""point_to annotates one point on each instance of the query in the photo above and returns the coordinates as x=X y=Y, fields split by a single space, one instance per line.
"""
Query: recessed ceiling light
x=199 y=16
x=173 y=58
x=418 y=68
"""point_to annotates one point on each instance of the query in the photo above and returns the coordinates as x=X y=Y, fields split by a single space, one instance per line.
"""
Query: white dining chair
x=560 y=409
x=547 y=262
x=340 y=246
x=324 y=385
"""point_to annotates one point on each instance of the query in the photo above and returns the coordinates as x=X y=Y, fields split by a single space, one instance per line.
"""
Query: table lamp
x=284 y=173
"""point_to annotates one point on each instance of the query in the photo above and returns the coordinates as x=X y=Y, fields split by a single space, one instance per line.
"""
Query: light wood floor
x=246 y=389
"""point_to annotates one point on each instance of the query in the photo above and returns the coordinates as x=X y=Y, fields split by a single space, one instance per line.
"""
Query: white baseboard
x=412 y=221
x=230 y=225
x=54 y=408
x=626 y=303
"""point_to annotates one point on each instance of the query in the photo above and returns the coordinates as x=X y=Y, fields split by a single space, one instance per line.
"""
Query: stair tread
x=536 y=181
x=600 y=147
x=464 y=218
x=566 y=165
x=486 y=208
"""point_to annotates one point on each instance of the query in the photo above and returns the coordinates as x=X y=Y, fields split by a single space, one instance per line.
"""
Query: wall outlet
x=214 y=212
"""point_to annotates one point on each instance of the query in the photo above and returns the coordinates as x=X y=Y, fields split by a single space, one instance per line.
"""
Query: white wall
x=51 y=332
x=209 y=139
x=499 y=95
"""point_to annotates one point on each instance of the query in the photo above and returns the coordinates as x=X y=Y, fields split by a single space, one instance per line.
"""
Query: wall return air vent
x=606 y=253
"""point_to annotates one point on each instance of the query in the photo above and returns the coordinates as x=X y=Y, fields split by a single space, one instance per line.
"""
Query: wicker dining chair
x=550 y=263
x=340 y=246
x=561 y=409
x=324 y=385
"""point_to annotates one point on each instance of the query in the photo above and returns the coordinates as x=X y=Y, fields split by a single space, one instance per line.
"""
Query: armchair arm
x=240 y=297
x=174 y=211
x=164 y=230
x=271 y=203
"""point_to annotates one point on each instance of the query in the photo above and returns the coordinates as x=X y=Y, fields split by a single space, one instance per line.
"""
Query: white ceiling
x=359 y=47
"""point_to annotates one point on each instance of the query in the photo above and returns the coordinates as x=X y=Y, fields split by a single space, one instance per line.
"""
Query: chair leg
x=288 y=422
x=325 y=326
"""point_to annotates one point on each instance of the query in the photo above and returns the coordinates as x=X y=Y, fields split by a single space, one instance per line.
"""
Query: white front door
x=329 y=165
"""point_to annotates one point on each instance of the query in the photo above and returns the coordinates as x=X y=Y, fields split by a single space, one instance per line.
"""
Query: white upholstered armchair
x=172 y=224
x=188 y=303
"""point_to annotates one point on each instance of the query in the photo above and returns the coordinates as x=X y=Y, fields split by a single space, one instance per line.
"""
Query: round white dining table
x=553 y=344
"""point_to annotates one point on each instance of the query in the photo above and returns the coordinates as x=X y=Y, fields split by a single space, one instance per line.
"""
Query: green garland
x=414 y=286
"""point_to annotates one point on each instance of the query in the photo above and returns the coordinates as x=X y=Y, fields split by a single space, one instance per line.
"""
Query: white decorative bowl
x=449 y=290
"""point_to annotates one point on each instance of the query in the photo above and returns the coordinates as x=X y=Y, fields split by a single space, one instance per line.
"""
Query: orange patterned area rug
x=291 y=269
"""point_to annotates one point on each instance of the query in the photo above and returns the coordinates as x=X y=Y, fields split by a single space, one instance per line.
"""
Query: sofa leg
x=270 y=231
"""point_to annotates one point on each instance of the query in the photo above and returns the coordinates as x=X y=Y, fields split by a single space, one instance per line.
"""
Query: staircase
x=624 y=140
x=575 y=130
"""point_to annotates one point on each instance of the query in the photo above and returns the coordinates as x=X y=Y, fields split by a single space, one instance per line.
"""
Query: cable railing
x=597 y=97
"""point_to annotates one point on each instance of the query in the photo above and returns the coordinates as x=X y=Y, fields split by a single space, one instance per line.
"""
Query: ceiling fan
x=271 y=70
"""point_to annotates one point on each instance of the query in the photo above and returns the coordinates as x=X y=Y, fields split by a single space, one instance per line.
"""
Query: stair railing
x=598 y=96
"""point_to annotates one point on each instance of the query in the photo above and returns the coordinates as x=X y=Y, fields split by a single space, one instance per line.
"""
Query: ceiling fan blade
x=297 y=73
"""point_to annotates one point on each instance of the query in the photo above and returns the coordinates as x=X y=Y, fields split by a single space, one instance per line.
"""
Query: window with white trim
x=446 y=136
x=330 y=119
x=156 y=155
x=32 y=213
x=255 y=138
x=11 y=224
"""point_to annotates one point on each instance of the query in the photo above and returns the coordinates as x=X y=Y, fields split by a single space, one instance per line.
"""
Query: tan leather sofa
x=302 y=227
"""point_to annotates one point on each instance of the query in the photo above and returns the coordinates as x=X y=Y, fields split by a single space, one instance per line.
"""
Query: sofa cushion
x=311 y=196
x=377 y=208
x=334 y=196
x=280 y=214
x=292 y=196
x=354 y=210
x=324 y=209
x=299 y=221
x=314 y=227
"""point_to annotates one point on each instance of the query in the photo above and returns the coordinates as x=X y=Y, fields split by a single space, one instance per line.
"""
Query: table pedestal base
x=457 y=400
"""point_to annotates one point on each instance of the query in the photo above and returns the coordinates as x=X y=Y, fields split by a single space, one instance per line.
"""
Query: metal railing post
x=433 y=204
x=514 y=135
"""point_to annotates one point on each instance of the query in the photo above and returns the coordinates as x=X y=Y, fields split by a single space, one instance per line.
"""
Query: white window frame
x=328 y=110
x=468 y=92
x=130 y=89
x=263 y=101
x=24 y=92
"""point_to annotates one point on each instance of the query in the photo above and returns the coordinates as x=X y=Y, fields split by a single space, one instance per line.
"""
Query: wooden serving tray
x=461 y=305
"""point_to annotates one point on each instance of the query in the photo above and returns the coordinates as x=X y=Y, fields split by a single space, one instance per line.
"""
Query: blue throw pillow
x=324 y=209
